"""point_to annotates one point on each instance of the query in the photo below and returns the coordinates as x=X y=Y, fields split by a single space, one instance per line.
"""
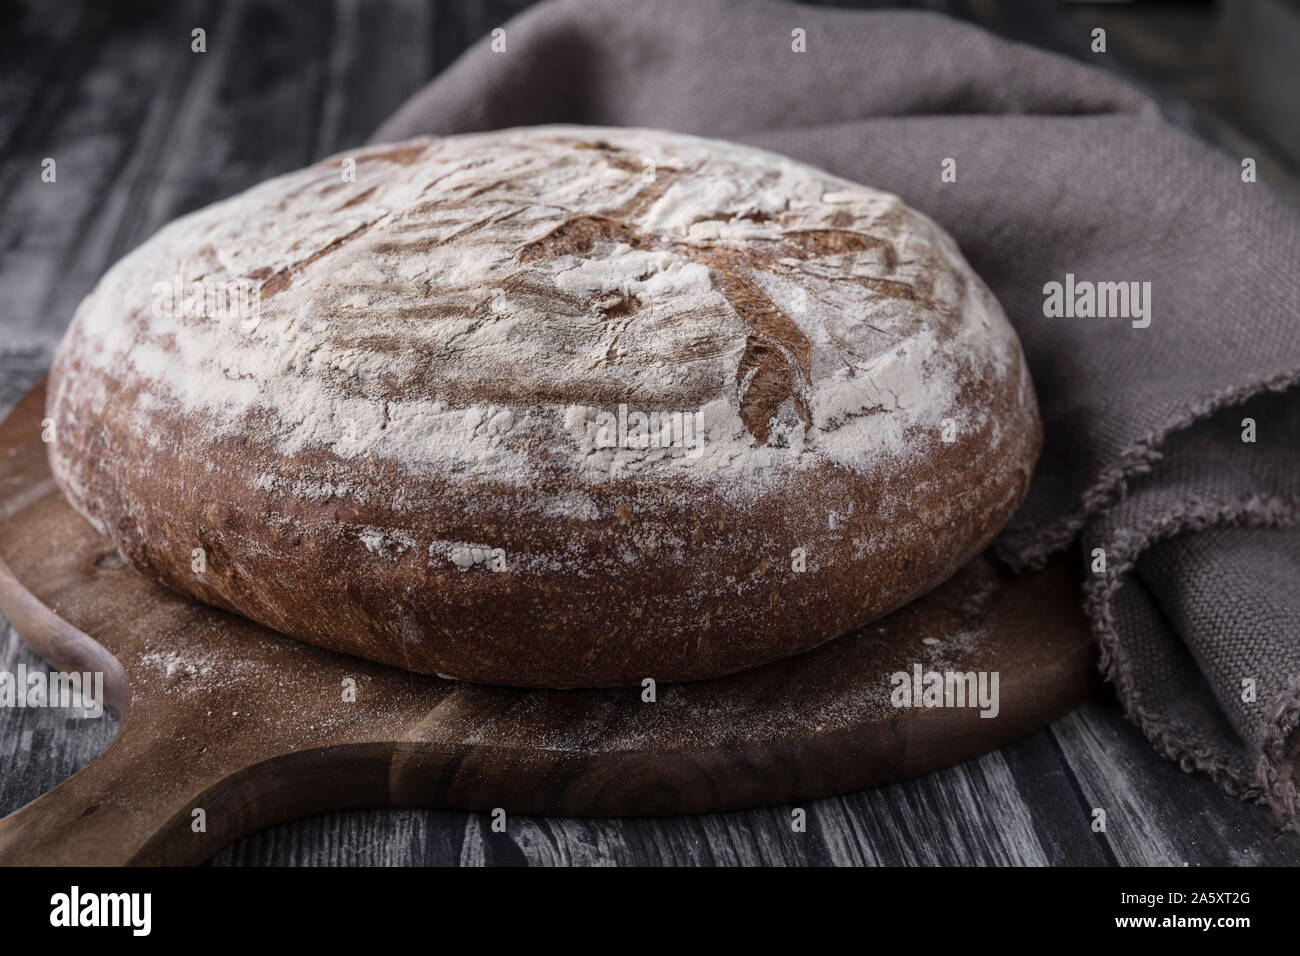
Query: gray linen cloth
x=1061 y=168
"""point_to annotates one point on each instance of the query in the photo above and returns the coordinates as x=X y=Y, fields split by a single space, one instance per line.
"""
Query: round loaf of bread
x=555 y=406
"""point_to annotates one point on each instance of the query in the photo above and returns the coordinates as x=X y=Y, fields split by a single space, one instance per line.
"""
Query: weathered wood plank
x=53 y=234
x=41 y=747
x=969 y=815
x=1157 y=815
x=254 y=108
x=357 y=94
x=1060 y=814
x=43 y=49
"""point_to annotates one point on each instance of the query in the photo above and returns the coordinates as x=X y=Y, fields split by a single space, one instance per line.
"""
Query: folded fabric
x=1063 y=174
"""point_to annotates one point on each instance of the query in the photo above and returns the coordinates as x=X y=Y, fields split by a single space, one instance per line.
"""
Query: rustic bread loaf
x=556 y=406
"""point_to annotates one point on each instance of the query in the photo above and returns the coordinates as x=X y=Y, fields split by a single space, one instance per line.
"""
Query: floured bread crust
x=410 y=430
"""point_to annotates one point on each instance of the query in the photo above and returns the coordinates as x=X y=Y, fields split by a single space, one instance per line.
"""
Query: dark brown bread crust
x=665 y=573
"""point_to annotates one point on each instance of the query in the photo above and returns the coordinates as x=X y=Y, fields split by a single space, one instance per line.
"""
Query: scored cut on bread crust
x=391 y=404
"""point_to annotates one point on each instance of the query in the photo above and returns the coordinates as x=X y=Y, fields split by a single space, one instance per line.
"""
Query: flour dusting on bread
x=452 y=306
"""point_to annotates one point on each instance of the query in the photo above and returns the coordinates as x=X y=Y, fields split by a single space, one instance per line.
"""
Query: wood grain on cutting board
x=223 y=716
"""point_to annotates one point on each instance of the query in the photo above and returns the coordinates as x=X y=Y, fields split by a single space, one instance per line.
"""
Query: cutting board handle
x=85 y=822
x=253 y=729
x=96 y=817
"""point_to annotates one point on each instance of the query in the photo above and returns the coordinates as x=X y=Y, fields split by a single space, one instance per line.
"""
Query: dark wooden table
x=143 y=130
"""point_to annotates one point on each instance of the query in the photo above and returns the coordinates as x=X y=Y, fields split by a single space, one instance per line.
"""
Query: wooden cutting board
x=224 y=716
